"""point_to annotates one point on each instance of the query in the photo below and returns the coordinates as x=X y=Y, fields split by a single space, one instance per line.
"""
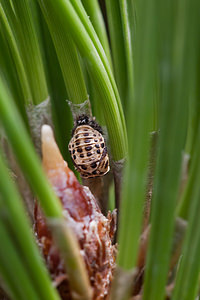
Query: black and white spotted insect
x=87 y=148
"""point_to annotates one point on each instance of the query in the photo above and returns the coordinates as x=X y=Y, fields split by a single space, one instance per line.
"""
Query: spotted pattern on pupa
x=89 y=152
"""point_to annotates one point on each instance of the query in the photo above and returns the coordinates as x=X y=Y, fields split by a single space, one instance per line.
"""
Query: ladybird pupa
x=88 y=148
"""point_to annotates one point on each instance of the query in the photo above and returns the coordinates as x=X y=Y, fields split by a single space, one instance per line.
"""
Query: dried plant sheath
x=151 y=170
x=93 y=230
x=122 y=284
x=38 y=115
x=3 y=294
x=178 y=238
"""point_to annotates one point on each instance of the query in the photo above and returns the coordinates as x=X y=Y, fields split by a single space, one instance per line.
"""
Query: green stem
x=19 y=285
x=28 y=43
x=187 y=280
x=94 y=12
x=78 y=277
x=10 y=78
x=15 y=55
x=117 y=46
x=126 y=16
x=173 y=128
x=67 y=55
x=139 y=121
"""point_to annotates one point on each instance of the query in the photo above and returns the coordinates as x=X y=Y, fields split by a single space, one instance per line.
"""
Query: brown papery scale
x=93 y=230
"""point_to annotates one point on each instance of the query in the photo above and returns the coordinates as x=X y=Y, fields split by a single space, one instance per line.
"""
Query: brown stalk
x=151 y=171
x=99 y=186
x=122 y=284
x=3 y=294
x=178 y=237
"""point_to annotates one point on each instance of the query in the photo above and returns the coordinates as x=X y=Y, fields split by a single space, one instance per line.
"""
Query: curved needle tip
x=52 y=157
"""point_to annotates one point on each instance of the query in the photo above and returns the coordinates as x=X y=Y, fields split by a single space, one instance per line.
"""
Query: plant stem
x=94 y=12
x=11 y=262
x=28 y=44
x=173 y=126
x=67 y=55
x=186 y=286
x=15 y=55
x=126 y=16
x=117 y=46
x=139 y=124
